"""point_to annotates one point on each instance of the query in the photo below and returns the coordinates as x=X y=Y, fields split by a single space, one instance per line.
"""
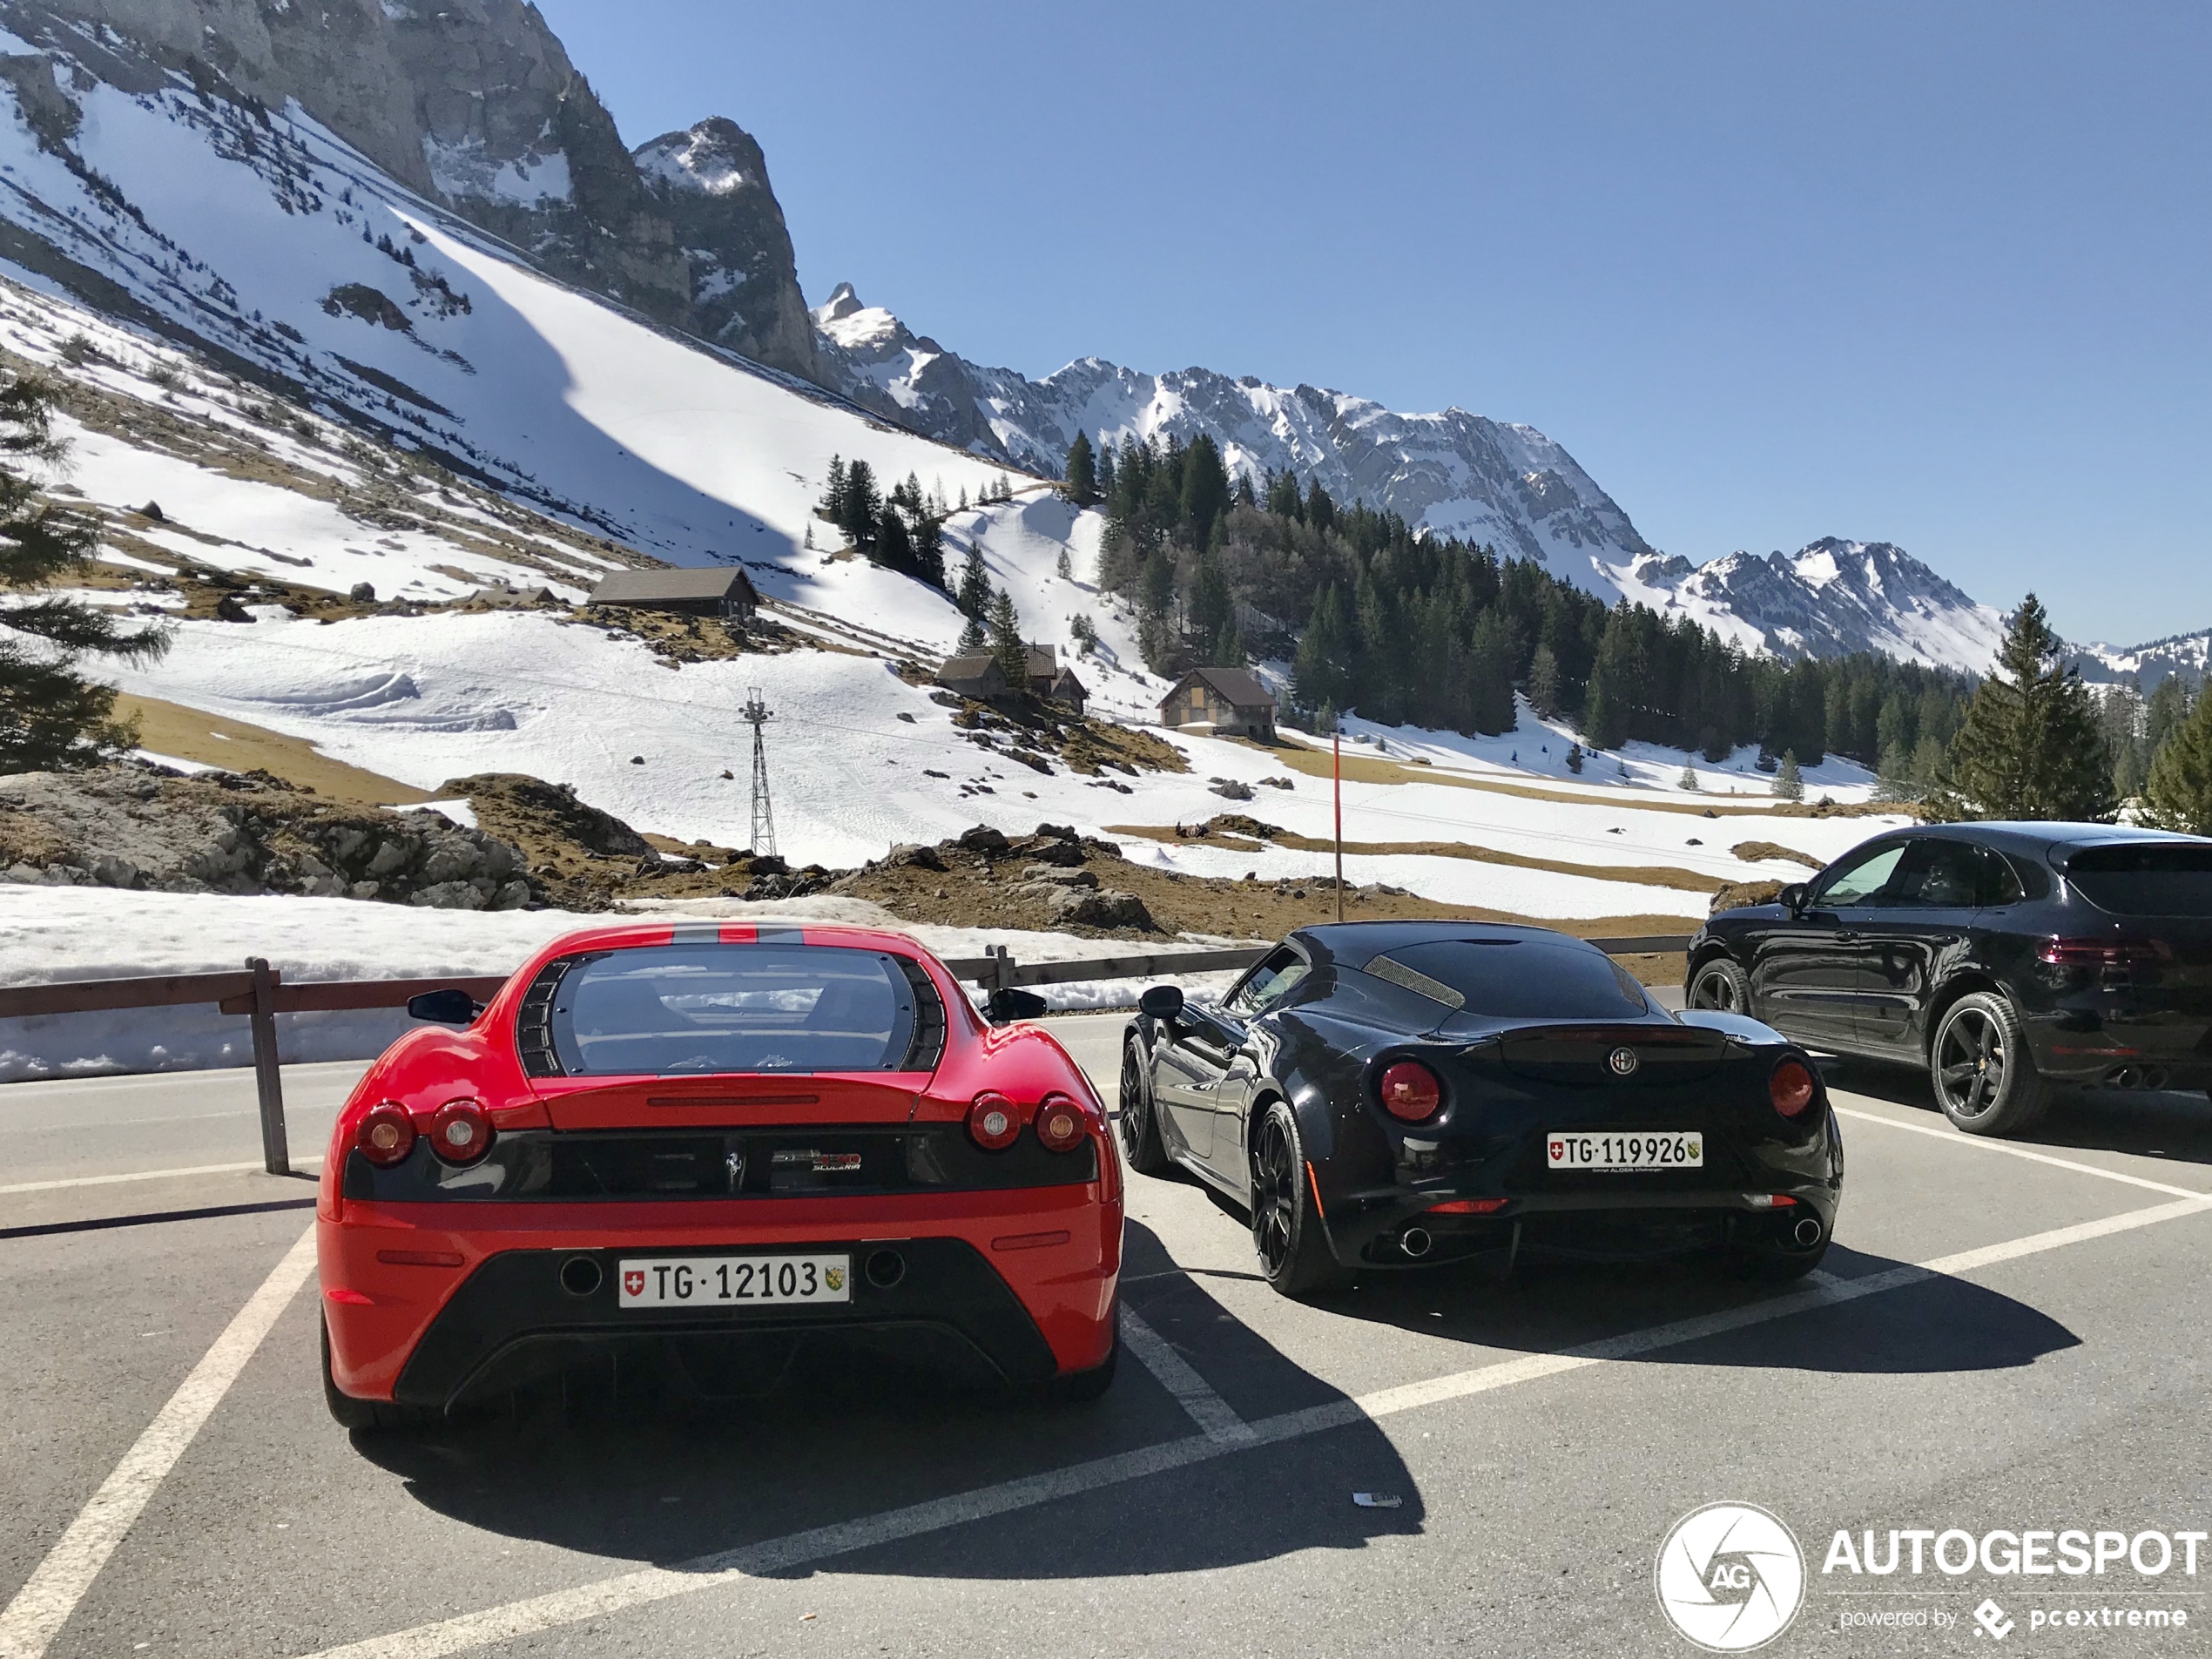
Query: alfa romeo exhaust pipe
x=1807 y=1233
x=1415 y=1241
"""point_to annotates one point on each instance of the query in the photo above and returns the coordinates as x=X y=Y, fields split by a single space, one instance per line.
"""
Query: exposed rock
x=1230 y=789
x=982 y=838
x=1072 y=908
x=142 y=827
x=908 y=855
x=1058 y=878
x=1746 y=892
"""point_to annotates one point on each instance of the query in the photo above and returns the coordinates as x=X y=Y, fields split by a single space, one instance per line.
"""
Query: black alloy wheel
x=1140 y=1124
x=1984 y=1078
x=1721 y=986
x=1286 y=1233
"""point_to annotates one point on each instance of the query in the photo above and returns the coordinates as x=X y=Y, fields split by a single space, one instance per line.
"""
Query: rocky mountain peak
x=475 y=105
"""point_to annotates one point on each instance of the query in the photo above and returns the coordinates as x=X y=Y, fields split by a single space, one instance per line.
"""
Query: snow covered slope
x=1453 y=473
x=2187 y=655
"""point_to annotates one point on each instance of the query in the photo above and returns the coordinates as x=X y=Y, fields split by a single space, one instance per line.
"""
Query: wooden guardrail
x=260 y=994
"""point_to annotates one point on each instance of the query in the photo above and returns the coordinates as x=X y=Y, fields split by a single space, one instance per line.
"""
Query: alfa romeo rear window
x=2174 y=880
x=1513 y=979
x=676 y=1009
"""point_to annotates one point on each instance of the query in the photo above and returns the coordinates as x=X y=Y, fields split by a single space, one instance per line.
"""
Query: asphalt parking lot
x=2008 y=1337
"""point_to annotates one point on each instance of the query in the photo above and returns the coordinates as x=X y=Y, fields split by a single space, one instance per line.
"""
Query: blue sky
x=1934 y=274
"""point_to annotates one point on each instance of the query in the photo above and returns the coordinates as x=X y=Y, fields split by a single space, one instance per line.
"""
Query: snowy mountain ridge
x=1450 y=472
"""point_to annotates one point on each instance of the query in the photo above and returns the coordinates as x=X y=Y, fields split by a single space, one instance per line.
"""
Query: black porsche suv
x=2007 y=958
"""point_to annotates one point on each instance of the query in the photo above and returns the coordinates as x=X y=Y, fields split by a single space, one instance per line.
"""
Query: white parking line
x=727 y=1567
x=1982 y=1143
x=43 y=1604
x=1193 y=1392
x=144 y=1175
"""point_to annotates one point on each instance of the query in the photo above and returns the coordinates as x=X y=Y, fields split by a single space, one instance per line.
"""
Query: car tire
x=368 y=1416
x=1142 y=1148
x=1984 y=1078
x=1287 y=1230
x=1720 y=985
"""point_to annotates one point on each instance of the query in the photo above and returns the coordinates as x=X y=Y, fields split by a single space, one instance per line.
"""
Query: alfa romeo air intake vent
x=1414 y=981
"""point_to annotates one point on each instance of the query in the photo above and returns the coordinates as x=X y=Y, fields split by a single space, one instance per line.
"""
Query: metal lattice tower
x=757 y=714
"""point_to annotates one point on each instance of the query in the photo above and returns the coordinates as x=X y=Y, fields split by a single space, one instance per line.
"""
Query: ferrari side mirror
x=1004 y=1007
x=1161 y=1002
x=1792 y=898
x=452 y=1006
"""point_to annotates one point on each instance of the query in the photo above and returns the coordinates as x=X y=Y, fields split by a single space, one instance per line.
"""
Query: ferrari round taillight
x=1060 y=1123
x=1791 y=1087
x=460 y=1133
x=385 y=1135
x=1410 y=1092
x=993 y=1123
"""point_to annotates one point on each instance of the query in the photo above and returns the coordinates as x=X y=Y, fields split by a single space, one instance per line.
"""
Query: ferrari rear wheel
x=1286 y=1230
x=1721 y=986
x=369 y=1416
x=1140 y=1122
x=1984 y=1078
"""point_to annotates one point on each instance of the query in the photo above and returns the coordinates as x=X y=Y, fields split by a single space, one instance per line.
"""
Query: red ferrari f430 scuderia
x=710 y=1148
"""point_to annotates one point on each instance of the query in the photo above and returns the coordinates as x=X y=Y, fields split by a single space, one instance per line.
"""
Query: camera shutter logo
x=1730 y=1577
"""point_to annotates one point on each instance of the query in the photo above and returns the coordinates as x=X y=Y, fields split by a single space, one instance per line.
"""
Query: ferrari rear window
x=2174 y=880
x=1513 y=978
x=679 y=1009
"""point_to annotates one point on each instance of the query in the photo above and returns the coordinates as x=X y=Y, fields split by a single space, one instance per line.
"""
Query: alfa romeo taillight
x=1060 y=1123
x=1790 y=1086
x=993 y=1123
x=1410 y=1092
x=385 y=1135
x=460 y=1133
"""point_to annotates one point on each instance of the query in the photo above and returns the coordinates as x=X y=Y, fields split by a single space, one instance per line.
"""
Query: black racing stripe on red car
x=153 y=1217
x=697 y=934
x=780 y=936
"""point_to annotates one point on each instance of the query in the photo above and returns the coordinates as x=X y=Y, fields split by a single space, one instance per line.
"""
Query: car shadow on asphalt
x=2160 y=1124
x=629 y=1468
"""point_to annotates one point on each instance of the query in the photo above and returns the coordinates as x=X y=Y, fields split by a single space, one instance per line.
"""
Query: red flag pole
x=1337 y=747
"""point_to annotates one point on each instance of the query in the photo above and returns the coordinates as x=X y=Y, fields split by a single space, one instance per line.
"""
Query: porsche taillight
x=385 y=1135
x=1791 y=1087
x=993 y=1123
x=460 y=1133
x=1410 y=1092
x=1060 y=1123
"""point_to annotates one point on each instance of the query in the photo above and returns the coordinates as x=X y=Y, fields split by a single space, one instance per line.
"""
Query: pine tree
x=894 y=547
x=1105 y=470
x=973 y=642
x=1688 y=779
x=1006 y=640
x=2164 y=709
x=1080 y=479
x=862 y=506
x=2178 y=795
x=832 y=501
x=1543 y=682
x=1083 y=632
x=1490 y=675
x=1210 y=608
x=2030 y=747
x=1321 y=675
x=1062 y=568
x=51 y=716
x=974 y=596
x=1789 y=783
x=1575 y=758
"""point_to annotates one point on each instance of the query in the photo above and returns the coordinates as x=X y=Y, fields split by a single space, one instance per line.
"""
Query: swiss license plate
x=1650 y=1150
x=713 y=1281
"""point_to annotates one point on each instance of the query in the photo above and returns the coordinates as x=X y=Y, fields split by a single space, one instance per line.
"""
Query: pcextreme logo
x=1730 y=1577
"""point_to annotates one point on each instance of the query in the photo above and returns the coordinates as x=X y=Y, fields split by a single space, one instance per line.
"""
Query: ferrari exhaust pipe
x=2127 y=1077
x=1807 y=1233
x=885 y=1268
x=1416 y=1242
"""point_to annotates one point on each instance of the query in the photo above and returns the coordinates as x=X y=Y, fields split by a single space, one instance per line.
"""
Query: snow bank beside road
x=49 y=935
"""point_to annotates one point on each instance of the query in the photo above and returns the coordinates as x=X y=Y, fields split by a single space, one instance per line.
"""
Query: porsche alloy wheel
x=1140 y=1125
x=1721 y=986
x=1984 y=1079
x=1287 y=1232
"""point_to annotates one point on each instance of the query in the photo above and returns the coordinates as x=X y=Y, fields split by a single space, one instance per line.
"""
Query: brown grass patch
x=1647 y=875
x=214 y=740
